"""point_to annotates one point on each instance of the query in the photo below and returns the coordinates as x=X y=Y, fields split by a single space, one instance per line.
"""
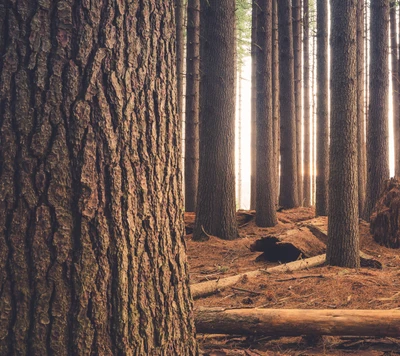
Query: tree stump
x=385 y=219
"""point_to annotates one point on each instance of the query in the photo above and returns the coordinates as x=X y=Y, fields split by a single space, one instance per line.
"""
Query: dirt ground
x=316 y=288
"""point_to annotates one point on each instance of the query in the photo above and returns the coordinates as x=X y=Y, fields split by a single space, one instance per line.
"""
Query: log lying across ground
x=210 y=287
x=298 y=322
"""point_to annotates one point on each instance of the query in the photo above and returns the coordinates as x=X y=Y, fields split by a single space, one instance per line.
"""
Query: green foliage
x=243 y=25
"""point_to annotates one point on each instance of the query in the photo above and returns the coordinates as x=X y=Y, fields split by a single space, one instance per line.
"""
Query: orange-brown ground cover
x=328 y=287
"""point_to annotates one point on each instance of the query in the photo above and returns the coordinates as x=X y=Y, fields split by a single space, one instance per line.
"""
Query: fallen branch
x=300 y=277
x=298 y=322
x=245 y=290
x=211 y=287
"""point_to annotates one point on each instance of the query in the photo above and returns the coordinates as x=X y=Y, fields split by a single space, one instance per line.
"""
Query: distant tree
x=322 y=143
x=216 y=210
x=362 y=159
x=180 y=50
x=288 y=197
x=343 y=229
x=192 y=104
x=297 y=51
x=92 y=257
x=253 y=152
x=265 y=174
x=307 y=108
x=377 y=128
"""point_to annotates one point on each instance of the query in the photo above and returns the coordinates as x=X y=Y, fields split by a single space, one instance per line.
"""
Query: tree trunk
x=192 y=105
x=343 y=230
x=90 y=172
x=314 y=122
x=362 y=159
x=307 y=114
x=298 y=322
x=322 y=168
x=395 y=85
x=377 y=129
x=253 y=152
x=180 y=51
x=275 y=93
x=297 y=52
x=288 y=197
x=239 y=134
x=265 y=173
x=216 y=193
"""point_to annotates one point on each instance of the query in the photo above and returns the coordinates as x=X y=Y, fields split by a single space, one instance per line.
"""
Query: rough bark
x=377 y=128
x=297 y=52
x=192 y=104
x=265 y=172
x=253 y=147
x=275 y=93
x=180 y=51
x=322 y=168
x=298 y=322
x=307 y=111
x=395 y=85
x=343 y=230
x=288 y=197
x=215 y=213
x=90 y=181
x=361 y=148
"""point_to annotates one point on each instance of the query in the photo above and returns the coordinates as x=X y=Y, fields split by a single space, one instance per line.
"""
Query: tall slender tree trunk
x=362 y=160
x=289 y=197
x=216 y=208
x=275 y=93
x=307 y=114
x=314 y=123
x=395 y=85
x=322 y=110
x=367 y=56
x=265 y=174
x=297 y=51
x=180 y=51
x=239 y=134
x=253 y=152
x=90 y=172
x=343 y=230
x=192 y=105
x=377 y=135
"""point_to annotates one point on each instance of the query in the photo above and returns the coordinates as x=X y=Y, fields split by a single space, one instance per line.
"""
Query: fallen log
x=204 y=289
x=298 y=322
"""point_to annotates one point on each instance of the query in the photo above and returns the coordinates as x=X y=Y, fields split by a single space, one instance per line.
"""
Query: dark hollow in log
x=385 y=219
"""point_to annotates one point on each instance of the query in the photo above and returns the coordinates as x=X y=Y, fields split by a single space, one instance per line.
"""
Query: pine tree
x=253 y=193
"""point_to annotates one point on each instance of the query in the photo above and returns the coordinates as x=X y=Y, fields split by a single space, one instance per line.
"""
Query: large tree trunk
x=192 y=105
x=288 y=197
x=216 y=192
x=275 y=93
x=265 y=174
x=395 y=85
x=296 y=6
x=298 y=322
x=180 y=50
x=90 y=172
x=253 y=147
x=307 y=113
x=322 y=168
x=343 y=229
x=361 y=149
x=377 y=128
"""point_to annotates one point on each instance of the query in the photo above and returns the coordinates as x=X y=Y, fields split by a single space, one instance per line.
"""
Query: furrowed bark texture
x=343 y=229
x=297 y=52
x=253 y=143
x=192 y=105
x=275 y=93
x=377 y=128
x=265 y=177
x=322 y=168
x=92 y=258
x=216 y=192
x=288 y=197
x=395 y=85
x=362 y=159
x=307 y=109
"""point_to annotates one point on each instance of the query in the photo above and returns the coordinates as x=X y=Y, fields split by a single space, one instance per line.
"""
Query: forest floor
x=332 y=288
